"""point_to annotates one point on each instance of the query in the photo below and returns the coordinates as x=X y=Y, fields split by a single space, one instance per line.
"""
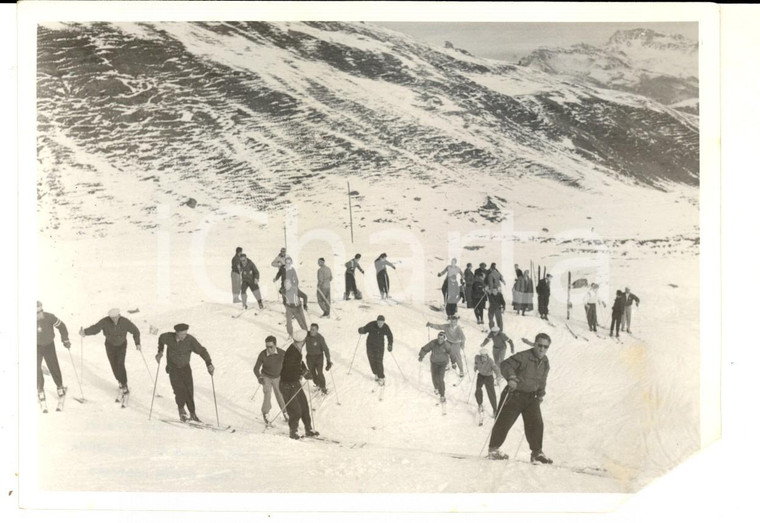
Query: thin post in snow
x=350 y=212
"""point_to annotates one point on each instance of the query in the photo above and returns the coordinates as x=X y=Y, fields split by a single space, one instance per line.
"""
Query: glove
x=453 y=364
x=256 y=281
x=307 y=375
x=420 y=358
x=67 y=344
x=261 y=379
x=167 y=369
x=390 y=348
x=329 y=365
x=427 y=324
x=210 y=368
x=138 y=347
x=158 y=357
x=81 y=331
x=540 y=399
x=512 y=384
x=305 y=307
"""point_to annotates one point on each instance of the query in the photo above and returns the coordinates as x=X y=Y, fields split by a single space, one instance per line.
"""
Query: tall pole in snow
x=285 y=232
x=350 y=213
x=568 y=295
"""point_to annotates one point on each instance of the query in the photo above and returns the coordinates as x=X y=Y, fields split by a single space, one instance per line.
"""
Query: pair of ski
x=576 y=336
x=198 y=425
x=43 y=401
x=588 y=470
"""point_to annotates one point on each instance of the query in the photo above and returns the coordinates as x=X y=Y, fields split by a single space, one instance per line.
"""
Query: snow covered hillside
x=162 y=147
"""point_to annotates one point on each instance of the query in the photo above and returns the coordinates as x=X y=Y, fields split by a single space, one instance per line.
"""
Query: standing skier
x=629 y=299
x=495 y=308
x=618 y=309
x=293 y=307
x=324 y=277
x=316 y=354
x=486 y=369
x=293 y=369
x=250 y=278
x=479 y=296
x=267 y=370
x=351 y=266
x=500 y=341
x=526 y=374
x=46 y=349
x=451 y=293
x=235 y=276
x=179 y=346
x=115 y=328
x=456 y=338
x=543 y=289
x=383 y=283
x=590 y=301
x=481 y=270
x=469 y=279
x=279 y=263
x=376 y=332
x=440 y=353
x=494 y=279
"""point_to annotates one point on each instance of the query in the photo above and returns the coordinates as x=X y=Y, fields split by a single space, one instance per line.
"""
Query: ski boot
x=311 y=433
x=261 y=305
x=294 y=435
x=182 y=414
x=266 y=420
x=539 y=457
x=61 y=392
x=494 y=453
x=381 y=382
x=193 y=417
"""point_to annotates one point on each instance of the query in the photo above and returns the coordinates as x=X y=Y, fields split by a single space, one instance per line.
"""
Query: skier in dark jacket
x=250 y=277
x=316 y=354
x=526 y=374
x=376 y=331
x=618 y=309
x=46 y=349
x=543 y=289
x=293 y=369
x=235 y=275
x=179 y=347
x=479 y=297
x=115 y=328
x=495 y=308
x=469 y=279
x=351 y=266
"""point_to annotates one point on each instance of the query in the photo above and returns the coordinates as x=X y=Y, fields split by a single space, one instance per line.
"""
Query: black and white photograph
x=378 y=249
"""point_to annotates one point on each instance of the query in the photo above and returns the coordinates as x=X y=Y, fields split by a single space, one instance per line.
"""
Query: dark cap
x=381 y=318
x=181 y=327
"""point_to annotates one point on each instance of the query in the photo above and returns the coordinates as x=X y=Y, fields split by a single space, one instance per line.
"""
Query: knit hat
x=299 y=335
x=381 y=318
x=484 y=351
x=113 y=313
x=181 y=327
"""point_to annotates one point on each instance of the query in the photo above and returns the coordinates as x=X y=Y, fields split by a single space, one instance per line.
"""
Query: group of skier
x=622 y=309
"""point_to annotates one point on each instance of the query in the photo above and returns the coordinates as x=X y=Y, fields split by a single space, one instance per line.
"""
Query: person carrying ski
x=500 y=341
x=526 y=374
x=115 y=328
x=486 y=369
x=293 y=369
x=618 y=309
x=316 y=354
x=495 y=308
x=590 y=301
x=451 y=293
x=179 y=347
x=456 y=338
x=376 y=332
x=629 y=299
x=351 y=266
x=267 y=370
x=324 y=277
x=469 y=279
x=440 y=353
x=479 y=297
x=250 y=280
x=46 y=322
x=543 y=289
x=235 y=276
x=383 y=283
x=293 y=307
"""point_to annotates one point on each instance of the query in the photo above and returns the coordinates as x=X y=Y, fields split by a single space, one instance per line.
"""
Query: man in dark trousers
x=469 y=278
x=267 y=369
x=235 y=275
x=351 y=266
x=383 y=283
x=440 y=353
x=180 y=345
x=46 y=349
x=115 y=328
x=544 y=291
x=316 y=354
x=250 y=278
x=293 y=369
x=479 y=296
x=618 y=309
x=526 y=374
x=376 y=331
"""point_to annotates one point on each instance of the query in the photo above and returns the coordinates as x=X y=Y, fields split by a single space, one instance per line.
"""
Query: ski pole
x=520 y=444
x=213 y=388
x=399 y=367
x=81 y=357
x=286 y=405
x=496 y=419
x=255 y=392
x=354 y=357
x=469 y=392
x=312 y=409
x=77 y=375
x=147 y=369
x=337 y=399
x=155 y=384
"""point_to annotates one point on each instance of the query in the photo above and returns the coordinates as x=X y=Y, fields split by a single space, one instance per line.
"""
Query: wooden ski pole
x=350 y=212
x=155 y=384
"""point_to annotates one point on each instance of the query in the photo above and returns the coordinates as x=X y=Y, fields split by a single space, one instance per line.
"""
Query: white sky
x=511 y=41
